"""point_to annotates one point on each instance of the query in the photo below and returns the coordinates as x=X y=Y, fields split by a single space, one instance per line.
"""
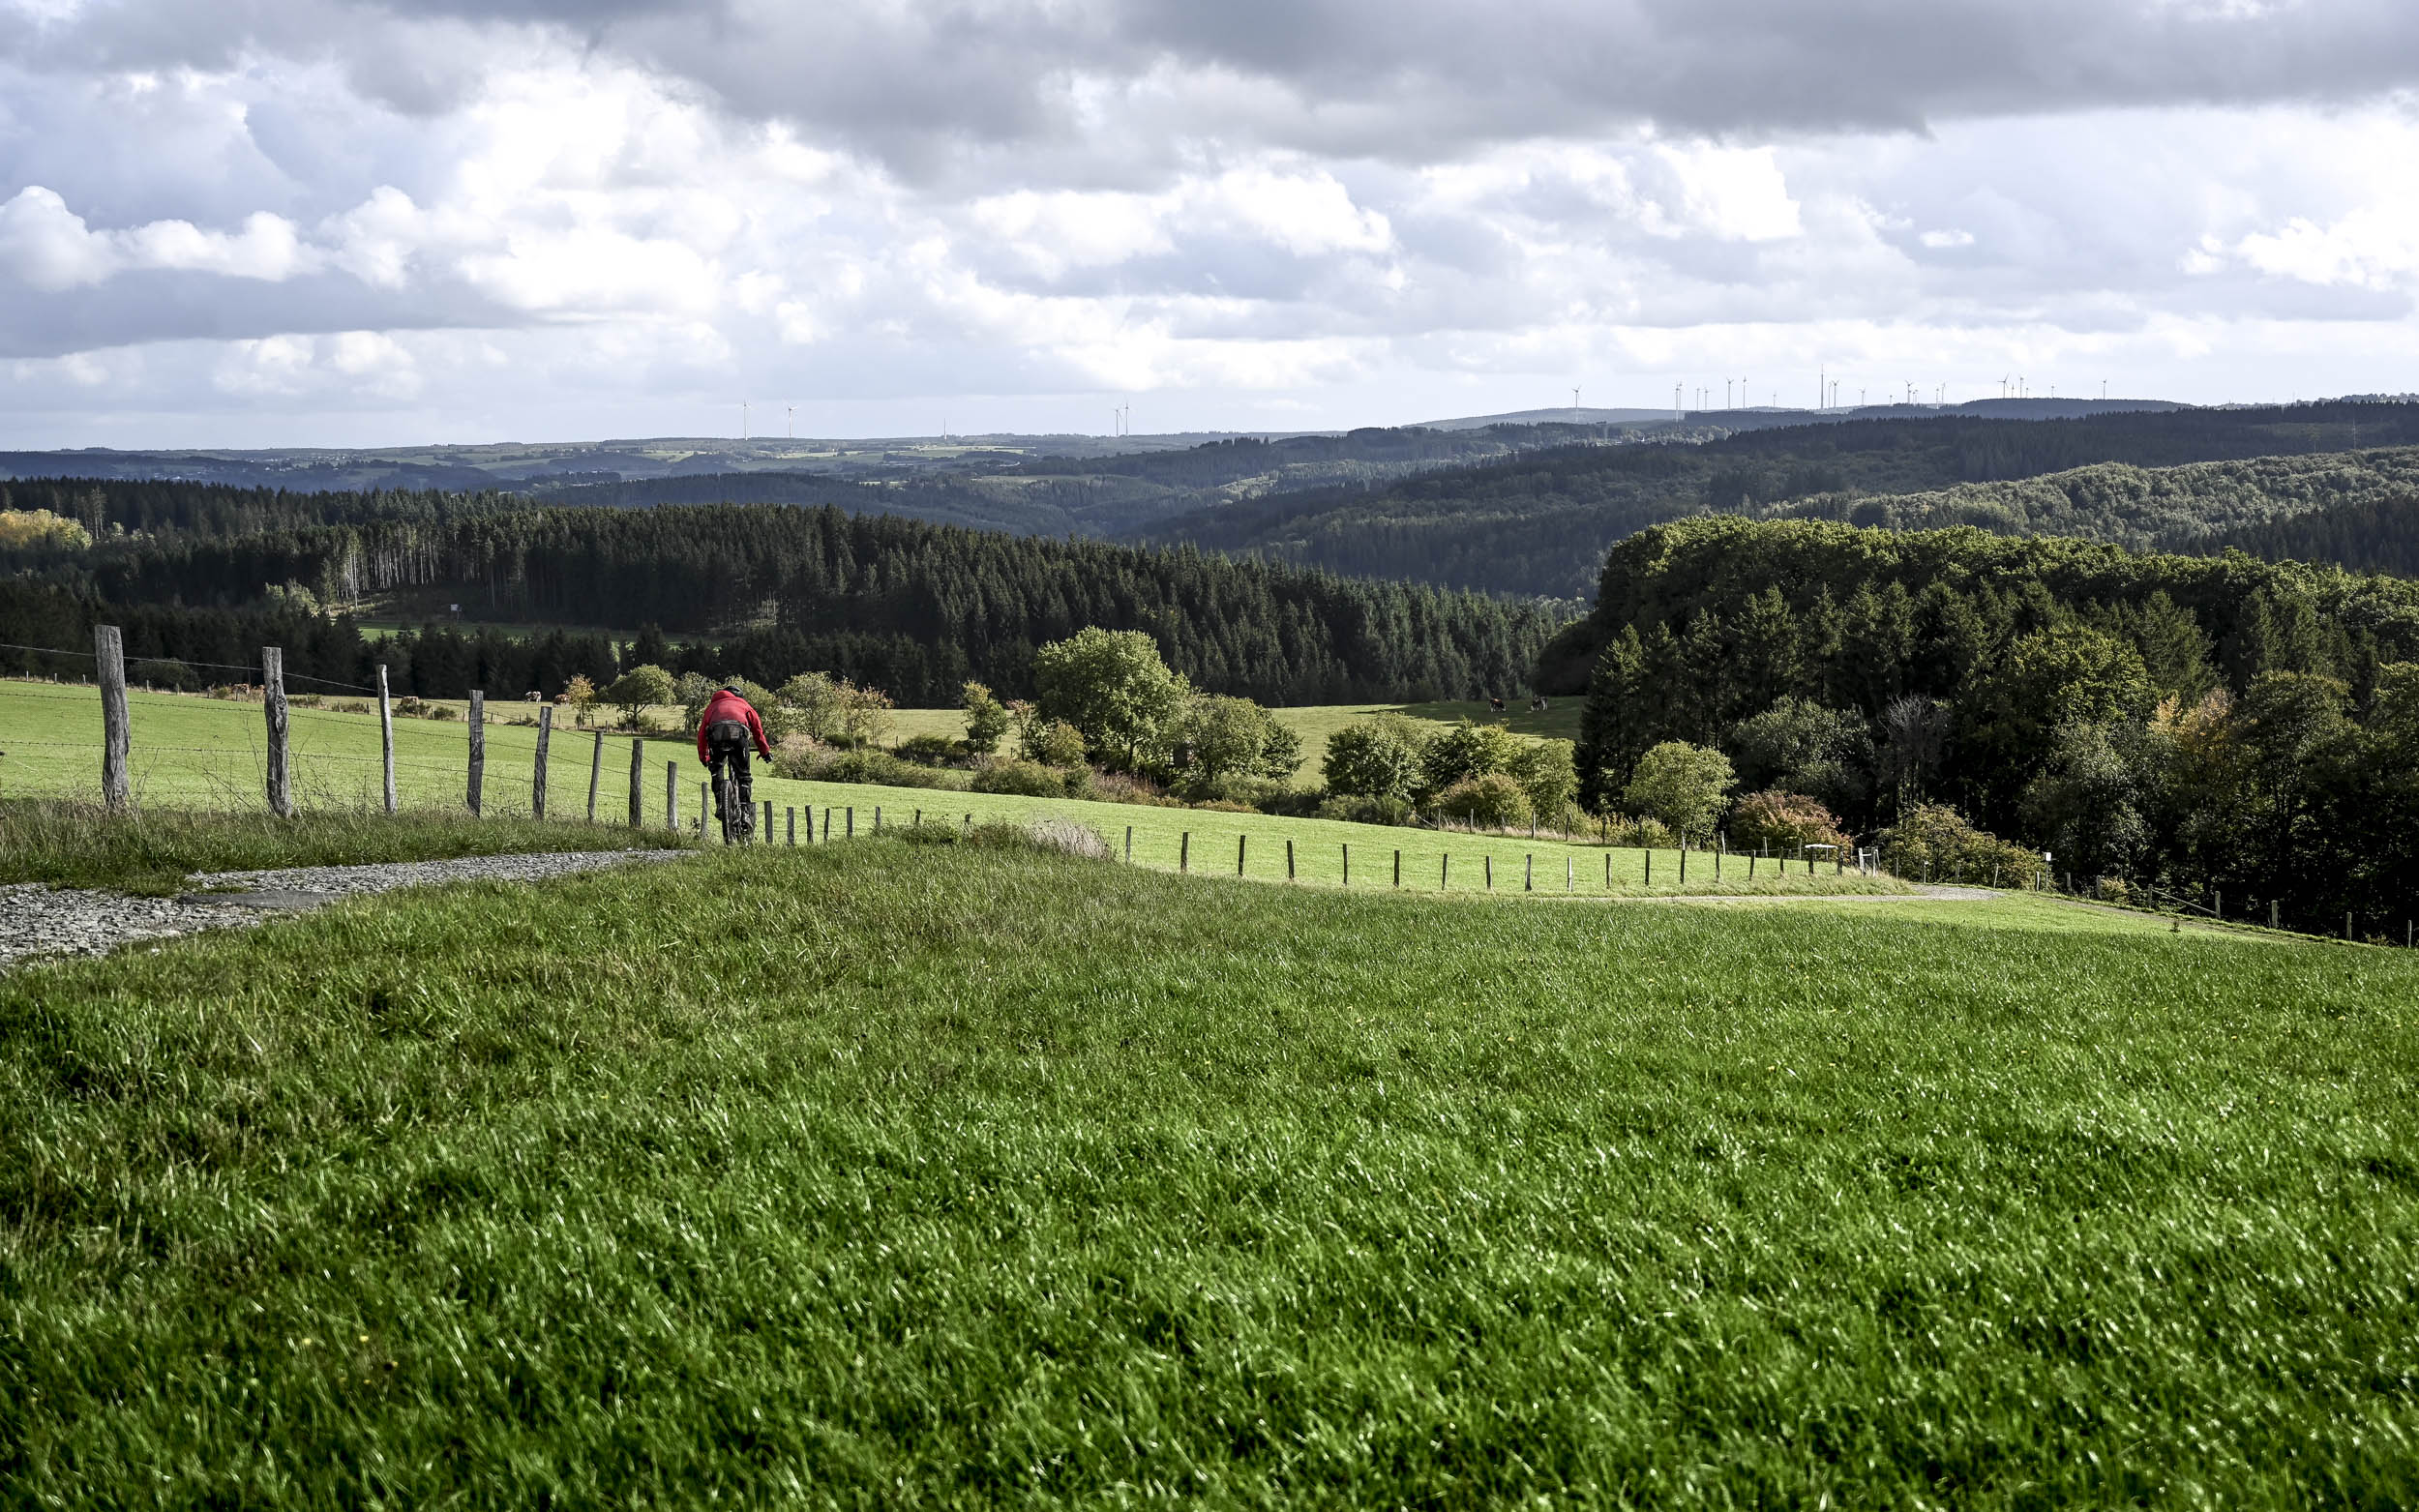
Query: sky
x=328 y=222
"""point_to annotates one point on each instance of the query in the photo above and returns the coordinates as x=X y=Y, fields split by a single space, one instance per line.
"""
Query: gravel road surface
x=38 y=921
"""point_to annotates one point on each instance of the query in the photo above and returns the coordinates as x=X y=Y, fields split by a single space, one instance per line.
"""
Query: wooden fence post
x=1238 y=855
x=109 y=653
x=1650 y=865
x=1528 y=874
x=705 y=805
x=1398 y=869
x=1570 y=873
x=1488 y=861
x=1608 y=871
x=637 y=755
x=1184 y=851
x=273 y=705
x=1445 y=872
x=1348 y=866
x=851 y=821
x=768 y=825
x=386 y=735
x=1684 y=861
x=478 y=746
x=537 y=777
x=793 y=823
x=672 y=795
x=596 y=773
x=1129 y=845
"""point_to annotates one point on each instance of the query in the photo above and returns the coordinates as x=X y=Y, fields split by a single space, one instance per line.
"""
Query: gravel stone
x=36 y=920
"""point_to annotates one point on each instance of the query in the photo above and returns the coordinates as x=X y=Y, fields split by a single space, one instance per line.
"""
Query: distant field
x=882 y=1174
x=195 y=751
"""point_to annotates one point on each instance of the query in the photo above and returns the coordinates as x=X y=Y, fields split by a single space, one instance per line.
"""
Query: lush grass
x=153 y=851
x=898 y=1175
x=194 y=751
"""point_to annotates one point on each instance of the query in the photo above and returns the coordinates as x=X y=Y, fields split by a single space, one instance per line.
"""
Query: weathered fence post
x=851 y=821
x=1650 y=866
x=1488 y=861
x=478 y=746
x=672 y=795
x=596 y=773
x=1445 y=872
x=793 y=814
x=386 y=735
x=638 y=756
x=1348 y=866
x=1570 y=873
x=1608 y=871
x=273 y=705
x=1129 y=845
x=1184 y=851
x=1528 y=874
x=705 y=805
x=1684 y=860
x=537 y=777
x=768 y=823
x=1398 y=869
x=109 y=653
x=2271 y=913
x=1238 y=854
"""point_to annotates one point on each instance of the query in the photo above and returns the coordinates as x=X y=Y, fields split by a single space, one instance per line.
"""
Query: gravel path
x=37 y=921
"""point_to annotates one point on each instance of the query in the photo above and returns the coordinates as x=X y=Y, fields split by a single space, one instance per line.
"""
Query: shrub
x=1127 y=788
x=878 y=766
x=1465 y=751
x=1934 y=842
x=1490 y=800
x=1547 y=772
x=1359 y=808
x=986 y=718
x=1047 y=741
x=1023 y=780
x=1782 y=822
x=1376 y=760
x=928 y=749
x=1681 y=785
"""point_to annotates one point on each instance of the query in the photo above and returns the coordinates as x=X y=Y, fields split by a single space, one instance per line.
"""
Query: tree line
x=2207 y=724
x=770 y=591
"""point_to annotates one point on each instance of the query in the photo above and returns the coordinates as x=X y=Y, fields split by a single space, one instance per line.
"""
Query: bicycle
x=738 y=819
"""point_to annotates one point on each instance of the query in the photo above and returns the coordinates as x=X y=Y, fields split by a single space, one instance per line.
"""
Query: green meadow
x=894 y=1175
x=191 y=751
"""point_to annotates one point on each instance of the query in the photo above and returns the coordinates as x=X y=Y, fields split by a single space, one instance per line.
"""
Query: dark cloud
x=1411 y=79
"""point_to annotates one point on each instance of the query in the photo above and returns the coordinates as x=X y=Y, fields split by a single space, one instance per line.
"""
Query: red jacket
x=728 y=705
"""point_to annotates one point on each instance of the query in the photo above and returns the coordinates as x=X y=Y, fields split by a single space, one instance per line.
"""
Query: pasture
x=192 y=751
x=952 y=1175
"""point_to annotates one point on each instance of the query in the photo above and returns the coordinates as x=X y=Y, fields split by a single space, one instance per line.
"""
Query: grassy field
x=195 y=751
x=884 y=1174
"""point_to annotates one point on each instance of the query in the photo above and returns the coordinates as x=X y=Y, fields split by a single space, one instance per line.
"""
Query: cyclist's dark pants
x=734 y=754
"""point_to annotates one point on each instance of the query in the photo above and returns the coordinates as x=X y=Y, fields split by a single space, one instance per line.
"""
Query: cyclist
x=724 y=733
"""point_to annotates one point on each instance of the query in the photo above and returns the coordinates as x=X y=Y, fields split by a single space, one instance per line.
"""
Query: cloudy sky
x=322 y=222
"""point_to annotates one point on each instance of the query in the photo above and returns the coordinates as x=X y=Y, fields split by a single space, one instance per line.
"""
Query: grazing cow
x=1497 y=704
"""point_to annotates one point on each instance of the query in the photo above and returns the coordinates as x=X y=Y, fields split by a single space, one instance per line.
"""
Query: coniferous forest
x=766 y=592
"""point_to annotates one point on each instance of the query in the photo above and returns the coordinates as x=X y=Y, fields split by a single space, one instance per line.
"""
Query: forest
x=910 y=607
x=1539 y=522
x=2204 y=724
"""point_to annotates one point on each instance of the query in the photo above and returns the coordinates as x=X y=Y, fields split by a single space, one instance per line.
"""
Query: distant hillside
x=1540 y=522
x=2197 y=507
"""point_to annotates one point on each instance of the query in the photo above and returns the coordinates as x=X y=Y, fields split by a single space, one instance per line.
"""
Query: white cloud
x=49 y=247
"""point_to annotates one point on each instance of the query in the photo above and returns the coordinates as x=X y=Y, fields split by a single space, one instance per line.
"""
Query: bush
x=1050 y=742
x=1127 y=788
x=986 y=718
x=1377 y=760
x=1783 y=822
x=1465 y=751
x=1681 y=785
x=878 y=766
x=1934 y=843
x=928 y=749
x=1359 y=808
x=1490 y=800
x=1028 y=780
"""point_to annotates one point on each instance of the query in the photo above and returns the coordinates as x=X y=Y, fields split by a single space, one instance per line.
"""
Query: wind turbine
x=743 y=419
x=794 y=422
